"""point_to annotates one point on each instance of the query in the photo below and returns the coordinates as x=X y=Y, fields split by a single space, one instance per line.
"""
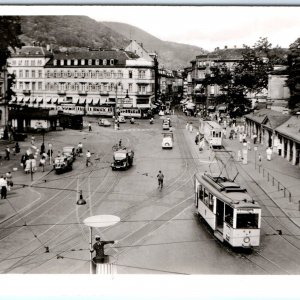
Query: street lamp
x=118 y=84
x=81 y=201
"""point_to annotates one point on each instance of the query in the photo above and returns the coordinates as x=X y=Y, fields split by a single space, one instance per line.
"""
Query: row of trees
x=250 y=74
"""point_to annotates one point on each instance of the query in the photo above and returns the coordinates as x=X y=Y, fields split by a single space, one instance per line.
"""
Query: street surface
x=42 y=230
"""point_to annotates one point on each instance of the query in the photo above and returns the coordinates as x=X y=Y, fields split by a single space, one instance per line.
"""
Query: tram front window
x=247 y=221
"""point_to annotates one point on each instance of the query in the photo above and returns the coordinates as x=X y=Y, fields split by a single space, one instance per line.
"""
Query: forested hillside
x=81 y=31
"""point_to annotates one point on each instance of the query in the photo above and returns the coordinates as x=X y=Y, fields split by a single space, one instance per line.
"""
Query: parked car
x=69 y=151
x=104 y=122
x=167 y=142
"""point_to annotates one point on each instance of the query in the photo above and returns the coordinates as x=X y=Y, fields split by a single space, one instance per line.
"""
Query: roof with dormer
x=119 y=57
x=31 y=51
x=290 y=128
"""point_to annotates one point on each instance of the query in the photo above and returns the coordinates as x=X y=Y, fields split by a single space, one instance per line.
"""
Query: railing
x=280 y=186
x=27 y=92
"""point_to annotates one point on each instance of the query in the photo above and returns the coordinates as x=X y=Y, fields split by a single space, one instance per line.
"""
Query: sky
x=206 y=27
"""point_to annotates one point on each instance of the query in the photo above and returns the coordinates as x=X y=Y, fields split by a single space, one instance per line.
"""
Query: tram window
x=229 y=215
x=247 y=220
x=211 y=202
x=205 y=197
x=200 y=192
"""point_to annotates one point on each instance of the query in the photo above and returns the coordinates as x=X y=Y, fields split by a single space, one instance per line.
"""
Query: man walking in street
x=88 y=158
x=90 y=127
x=160 y=177
x=3 y=187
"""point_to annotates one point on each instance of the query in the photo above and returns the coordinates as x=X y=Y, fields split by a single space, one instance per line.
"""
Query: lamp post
x=116 y=108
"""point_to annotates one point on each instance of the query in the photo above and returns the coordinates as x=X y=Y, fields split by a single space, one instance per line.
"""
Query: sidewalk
x=278 y=178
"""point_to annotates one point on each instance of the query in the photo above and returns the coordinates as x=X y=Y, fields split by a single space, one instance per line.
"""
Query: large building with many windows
x=82 y=81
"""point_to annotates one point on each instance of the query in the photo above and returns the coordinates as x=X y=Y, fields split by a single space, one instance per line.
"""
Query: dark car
x=63 y=163
x=123 y=159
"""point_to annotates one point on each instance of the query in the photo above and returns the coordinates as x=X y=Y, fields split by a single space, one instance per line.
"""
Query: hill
x=171 y=55
x=81 y=31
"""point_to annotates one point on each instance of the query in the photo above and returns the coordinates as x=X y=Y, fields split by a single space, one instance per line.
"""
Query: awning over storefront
x=54 y=101
x=27 y=100
x=40 y=100
x=49 y=100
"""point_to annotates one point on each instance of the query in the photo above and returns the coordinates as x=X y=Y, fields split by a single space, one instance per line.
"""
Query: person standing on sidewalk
x=90 y=126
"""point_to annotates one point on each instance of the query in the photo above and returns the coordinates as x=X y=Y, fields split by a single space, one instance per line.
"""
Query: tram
x=100 y=111
x=228 y=210
x=212 y=133
x=131 y=112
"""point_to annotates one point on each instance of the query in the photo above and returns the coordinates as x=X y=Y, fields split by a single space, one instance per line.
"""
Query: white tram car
x=228 y=209
x=212 y=133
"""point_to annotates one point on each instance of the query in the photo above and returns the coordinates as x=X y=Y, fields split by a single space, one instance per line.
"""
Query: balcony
x=104 y=93
x=26 y=92
x=61 y=92
x=82 y=93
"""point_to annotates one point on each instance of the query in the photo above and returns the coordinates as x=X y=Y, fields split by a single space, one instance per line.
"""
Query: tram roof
x=213 y=124
x=227 y=191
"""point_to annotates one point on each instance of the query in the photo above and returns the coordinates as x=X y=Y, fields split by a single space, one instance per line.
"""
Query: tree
x=293 y=80
x=10 y=29
x=248 y=75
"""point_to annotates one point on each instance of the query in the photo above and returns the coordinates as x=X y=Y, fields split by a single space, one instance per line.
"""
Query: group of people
x=5 y=184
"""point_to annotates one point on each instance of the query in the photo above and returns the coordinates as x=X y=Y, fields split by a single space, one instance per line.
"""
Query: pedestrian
x=42 y=162
x=120 y=143
x=191 y=127
x=3 y=185
x=160 y=177
x=27 y=166
x=50 y=154
x=88 y=158
x=90 y=126
x=42 y=149
x=259 y=157
x=201 y=144
x=98 y=247
x=269 y=153
x=17 y=148
x=239 y=155
x=7 y=153
x=79 y=148
x=240 y=137
x=32 y=140
x=9 y=179
x=244 y=138
x=249 y=145
x=197 y=139
x=254 y=138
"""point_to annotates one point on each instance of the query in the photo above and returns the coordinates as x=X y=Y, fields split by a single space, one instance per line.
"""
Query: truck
x=122 y=159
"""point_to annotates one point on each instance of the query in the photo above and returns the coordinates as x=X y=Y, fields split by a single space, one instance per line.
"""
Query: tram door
x=220 y=214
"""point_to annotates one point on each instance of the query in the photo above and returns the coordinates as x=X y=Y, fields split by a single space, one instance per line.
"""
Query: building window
x=26 y=62
x=130 y=87
x=33 y=73
x=33 y=86
x=40 y=74
x=75 y=74
x=62 y=62
x=32 y=63
x=20 y=62
x=76 y=62
x=21 y=73
x=39 y=62
x=76 y=86
x=112 y=62
x=69 y=73
x=54 y=74
x=54 y=62
x=21 y=85
x=120 y=74
x=141 y=74
x=40 y=86
x=89 y=62
x=26 y=74
x=82 y=62
x=82 y=74
x=97 y=62
x=69 y=62
x=130 y=74
x=104 y=62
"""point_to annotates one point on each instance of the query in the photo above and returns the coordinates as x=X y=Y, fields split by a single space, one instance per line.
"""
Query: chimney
x=225 y=47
